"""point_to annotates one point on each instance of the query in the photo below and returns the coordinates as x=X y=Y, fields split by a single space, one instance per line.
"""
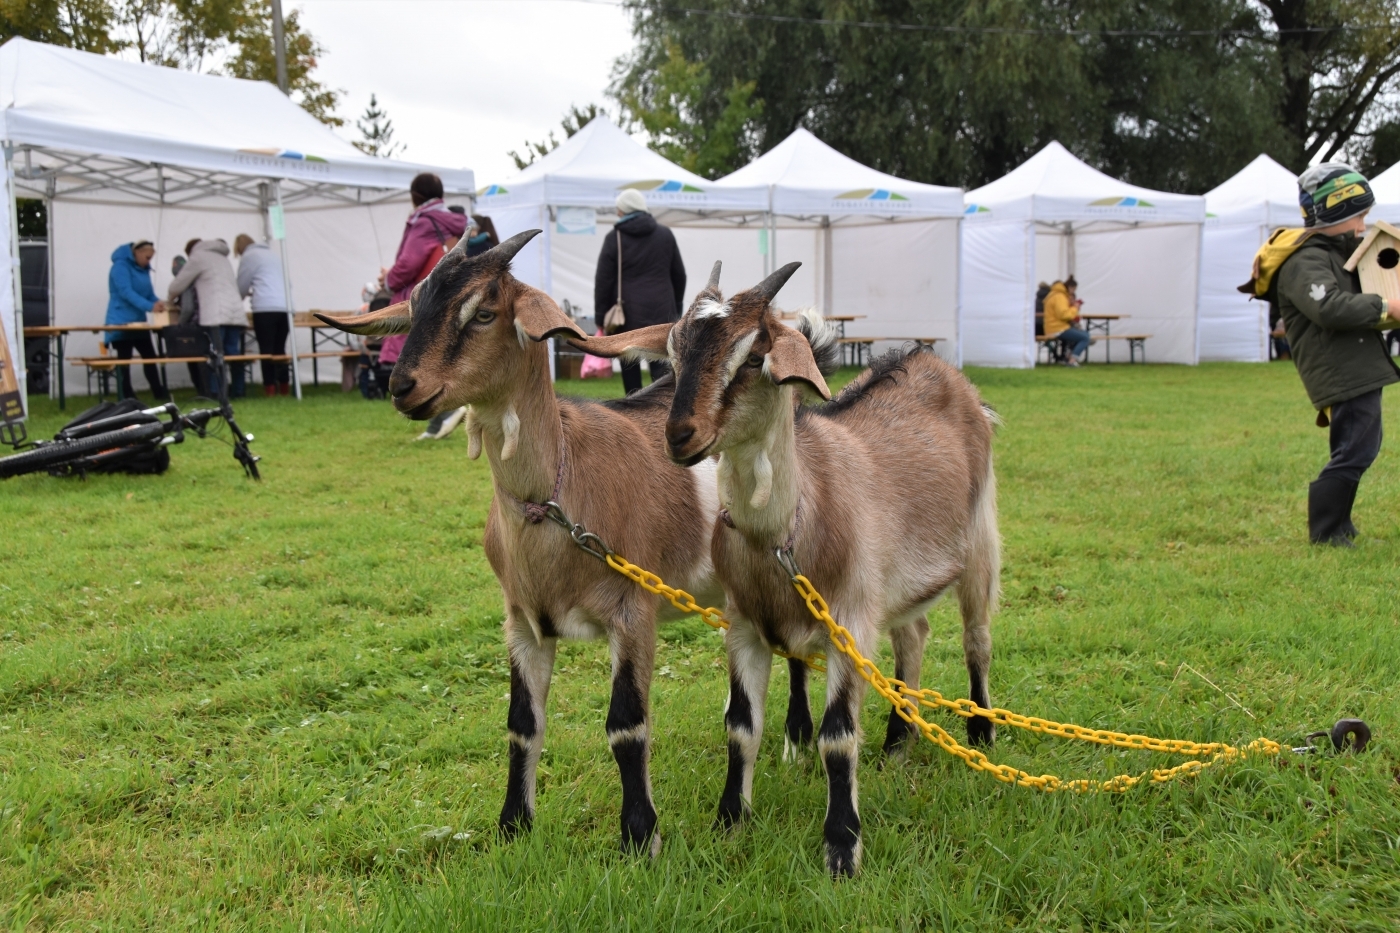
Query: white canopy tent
x=571 y=193
x=1386 y=188
x=122 y=151
x=1242 y=212
x=873 y=246
x=1134 y=251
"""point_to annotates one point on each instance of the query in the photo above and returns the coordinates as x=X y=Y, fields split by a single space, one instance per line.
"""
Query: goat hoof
x=728 y=817
x=792 y=751
x=513 y=825
x=981 y=732
x=843 y=861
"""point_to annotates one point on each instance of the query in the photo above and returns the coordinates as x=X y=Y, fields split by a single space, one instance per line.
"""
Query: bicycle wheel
x=60 y=452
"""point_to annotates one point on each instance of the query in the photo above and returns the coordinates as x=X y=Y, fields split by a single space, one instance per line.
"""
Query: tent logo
x=1121 y=202
x=491 y=191
x=284 y=154
x=871 y=194
x=662 y=185
x=976 y=209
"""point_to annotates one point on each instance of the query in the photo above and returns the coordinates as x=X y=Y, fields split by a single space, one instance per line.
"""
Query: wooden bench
x=861 y=347
x=1136 y=344
x=105 y=366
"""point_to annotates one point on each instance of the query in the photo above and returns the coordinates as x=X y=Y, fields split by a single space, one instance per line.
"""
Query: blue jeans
x=230 y=340
x=1076 y=339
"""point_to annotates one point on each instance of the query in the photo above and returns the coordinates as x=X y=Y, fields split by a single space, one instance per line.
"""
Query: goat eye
x=484 y=317
x=755 y=360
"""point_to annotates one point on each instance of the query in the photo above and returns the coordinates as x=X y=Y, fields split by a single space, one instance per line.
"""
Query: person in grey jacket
x=221 y=314
x=1334 y=335
x=260 y=276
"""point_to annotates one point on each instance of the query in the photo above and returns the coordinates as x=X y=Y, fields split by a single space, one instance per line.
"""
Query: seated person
x=1061 y=316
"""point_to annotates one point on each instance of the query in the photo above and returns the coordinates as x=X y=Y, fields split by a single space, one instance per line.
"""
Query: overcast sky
x=466 y=81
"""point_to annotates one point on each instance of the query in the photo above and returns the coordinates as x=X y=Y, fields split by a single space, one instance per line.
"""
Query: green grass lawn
x=232 y=706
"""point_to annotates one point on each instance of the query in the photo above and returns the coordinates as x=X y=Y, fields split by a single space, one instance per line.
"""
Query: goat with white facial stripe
x=475 y=337
x=886 y=497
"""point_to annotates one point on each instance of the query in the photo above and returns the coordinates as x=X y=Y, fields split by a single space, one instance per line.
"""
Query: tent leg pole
x=287 y=291
x=16 y=324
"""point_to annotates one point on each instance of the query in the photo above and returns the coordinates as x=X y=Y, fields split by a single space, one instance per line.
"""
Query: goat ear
x=791 y=360
x=645 y=343
x=395 y=319
x=539 y=317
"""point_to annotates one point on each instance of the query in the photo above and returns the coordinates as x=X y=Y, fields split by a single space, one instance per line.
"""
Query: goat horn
x=713 y=284
x=770 y=286
x=509 y=248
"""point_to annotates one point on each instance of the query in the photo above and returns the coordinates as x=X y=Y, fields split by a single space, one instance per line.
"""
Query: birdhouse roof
x=1372 y=235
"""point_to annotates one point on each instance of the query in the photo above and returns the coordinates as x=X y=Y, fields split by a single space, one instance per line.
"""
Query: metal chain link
x=906 y=701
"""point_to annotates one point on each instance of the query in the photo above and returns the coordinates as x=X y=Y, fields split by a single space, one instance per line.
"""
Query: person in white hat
x=652 y=286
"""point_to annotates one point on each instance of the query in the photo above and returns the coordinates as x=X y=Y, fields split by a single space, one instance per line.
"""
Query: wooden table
x=57 y=333
x=863 y=346
x=1104 y=322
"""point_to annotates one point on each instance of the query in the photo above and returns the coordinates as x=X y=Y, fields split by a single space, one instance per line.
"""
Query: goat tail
x=980 y=583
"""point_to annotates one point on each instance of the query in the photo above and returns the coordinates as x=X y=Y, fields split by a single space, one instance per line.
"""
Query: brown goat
x=884 y=498
x=475 y=338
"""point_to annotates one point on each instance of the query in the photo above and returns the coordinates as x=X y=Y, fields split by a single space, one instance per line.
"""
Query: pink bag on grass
x=595 y=366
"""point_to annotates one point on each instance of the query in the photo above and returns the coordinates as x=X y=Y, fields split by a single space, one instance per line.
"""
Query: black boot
x=1329 y=511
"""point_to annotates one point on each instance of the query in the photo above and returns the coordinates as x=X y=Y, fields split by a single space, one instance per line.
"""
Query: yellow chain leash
x=906 y=701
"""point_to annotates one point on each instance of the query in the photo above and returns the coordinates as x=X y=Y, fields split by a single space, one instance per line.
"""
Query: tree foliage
x=670 y=103
x=575 y=119
x=1173 y=94
x=231 y=37
x=376 y=132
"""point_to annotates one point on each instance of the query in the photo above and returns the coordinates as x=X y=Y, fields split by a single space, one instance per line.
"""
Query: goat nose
x=400 y=384
x=678 y=435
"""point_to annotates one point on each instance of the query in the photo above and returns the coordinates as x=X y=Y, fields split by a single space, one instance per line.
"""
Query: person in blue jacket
x=130 y=299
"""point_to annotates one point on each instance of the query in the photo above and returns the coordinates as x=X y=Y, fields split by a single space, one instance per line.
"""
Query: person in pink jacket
x=432 y=230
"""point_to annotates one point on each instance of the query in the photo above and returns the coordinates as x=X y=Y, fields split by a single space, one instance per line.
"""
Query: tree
x=1174 y=94
x=1337 y=60
x=75 y=24
x=574 y=119
x=256 y=59
x=668 y=104
x=184 y=34
x=376 y=132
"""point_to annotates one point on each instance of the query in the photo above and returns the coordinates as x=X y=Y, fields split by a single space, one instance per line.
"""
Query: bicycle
x=103 y=444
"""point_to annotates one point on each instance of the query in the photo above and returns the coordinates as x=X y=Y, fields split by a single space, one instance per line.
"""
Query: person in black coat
x=653 y=277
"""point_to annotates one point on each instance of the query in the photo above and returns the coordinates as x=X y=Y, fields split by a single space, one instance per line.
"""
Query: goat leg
x=531 y=666
x=797 y=731
x=908 y=641
x=629 y=735
x=838 y=743
x=750 y=666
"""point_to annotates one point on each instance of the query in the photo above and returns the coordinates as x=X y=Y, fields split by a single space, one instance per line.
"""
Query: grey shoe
x=443 y=425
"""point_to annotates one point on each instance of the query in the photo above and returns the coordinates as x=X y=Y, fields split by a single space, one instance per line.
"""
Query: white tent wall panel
x=1148 y=273
x=903 y=277
x=1052 y=256
x=332 y=252
x=1233 y=328
x=998 y=262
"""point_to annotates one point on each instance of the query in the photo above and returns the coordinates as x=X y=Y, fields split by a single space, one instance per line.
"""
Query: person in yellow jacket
x=1061 y=316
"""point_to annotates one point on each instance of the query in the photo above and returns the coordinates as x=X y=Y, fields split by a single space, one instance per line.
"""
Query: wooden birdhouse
x=1377 y=260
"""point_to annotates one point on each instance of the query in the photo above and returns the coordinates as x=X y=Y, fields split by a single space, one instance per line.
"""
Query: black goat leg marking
x=839 y=745
x=630 y=737
x=750 y=665
x=797 y=731
x=531 y=664
x=980 y=730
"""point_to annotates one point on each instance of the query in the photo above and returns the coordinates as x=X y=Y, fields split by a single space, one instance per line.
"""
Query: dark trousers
x=271 y=328
x=229 y=339
x=1355 y=437
x=632 y=373
x=141 y=343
